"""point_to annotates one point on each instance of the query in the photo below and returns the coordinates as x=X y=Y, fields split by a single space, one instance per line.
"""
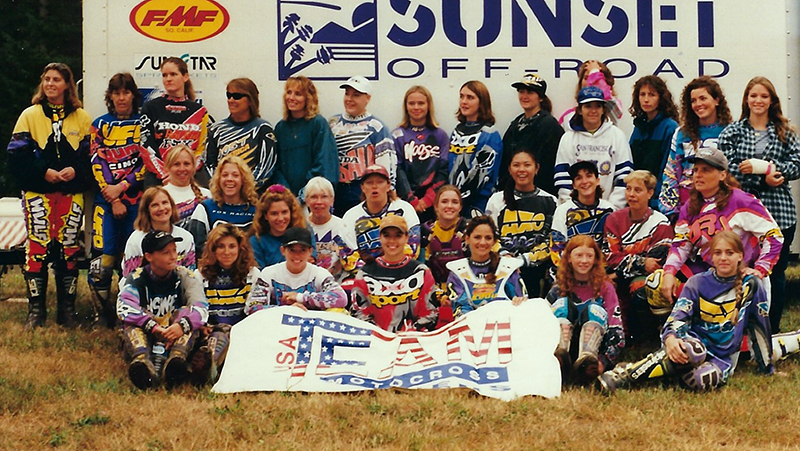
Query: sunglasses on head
x=235 y=95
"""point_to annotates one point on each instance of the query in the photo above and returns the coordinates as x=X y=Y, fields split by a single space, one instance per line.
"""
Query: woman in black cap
x=535 y=128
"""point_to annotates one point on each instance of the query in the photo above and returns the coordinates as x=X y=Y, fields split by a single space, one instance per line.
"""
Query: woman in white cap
x=362 y=140
x=592 y=137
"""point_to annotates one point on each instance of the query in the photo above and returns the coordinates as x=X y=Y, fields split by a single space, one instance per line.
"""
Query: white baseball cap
x=360 y=84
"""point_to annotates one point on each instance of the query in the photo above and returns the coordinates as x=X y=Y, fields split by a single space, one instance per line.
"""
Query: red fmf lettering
x=480 y=351
x=190 y=18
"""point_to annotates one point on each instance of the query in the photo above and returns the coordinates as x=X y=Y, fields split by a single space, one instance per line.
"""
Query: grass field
x=68 y=389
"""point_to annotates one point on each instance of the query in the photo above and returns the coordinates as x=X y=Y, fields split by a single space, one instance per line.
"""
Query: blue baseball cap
x=590 y=94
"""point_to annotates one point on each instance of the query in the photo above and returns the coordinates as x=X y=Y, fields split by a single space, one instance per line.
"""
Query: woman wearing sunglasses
x=244 y=134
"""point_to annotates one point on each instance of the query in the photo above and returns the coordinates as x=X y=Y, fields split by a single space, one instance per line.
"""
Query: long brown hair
x=71 y=100
x=690 y=123
x=730 y=237
x=209 y=266
x=445 y=189
x=774 y=113
x=494 y=257
x=485 y=115
x=565 y=278
x=666 y=105
x=430 y=118
x=183 y=68
x=277 y=193
x=248 y=189
x=312 y=99
x=143 y=222
x=172 y=157
x=726 y=187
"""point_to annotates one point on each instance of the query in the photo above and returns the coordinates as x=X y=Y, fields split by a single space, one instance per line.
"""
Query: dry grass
x=68 y=389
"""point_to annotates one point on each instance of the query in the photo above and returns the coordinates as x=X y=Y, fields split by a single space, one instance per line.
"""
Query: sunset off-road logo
x=327 y=41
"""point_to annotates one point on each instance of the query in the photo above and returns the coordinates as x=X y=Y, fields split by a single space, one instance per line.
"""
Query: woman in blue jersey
x=476 y=148
x=422 y=148
x=118 y=169
x=655 y=119
x=277 y=211
x=306 y=147
x=704 y=114
x=703 y=334
x=228 y=270
x=484 y=276
x=244 y=133
x=233 y=201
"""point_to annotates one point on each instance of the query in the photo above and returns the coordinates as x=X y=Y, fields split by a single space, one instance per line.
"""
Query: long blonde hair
x=309 y=90
x=730 y=237
x=71 y=100
x=248 y=189
x=172 y=157
x=430 y=118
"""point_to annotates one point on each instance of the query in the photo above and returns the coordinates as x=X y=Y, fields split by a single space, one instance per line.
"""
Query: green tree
x=32 y=34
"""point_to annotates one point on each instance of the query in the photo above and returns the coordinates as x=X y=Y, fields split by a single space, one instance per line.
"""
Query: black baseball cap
x=588 y=165
x=157 y=240
x=296 y=235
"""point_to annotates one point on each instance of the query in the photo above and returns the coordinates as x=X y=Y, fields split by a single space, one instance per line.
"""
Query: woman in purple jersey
x=703 y=334
x=422 y=149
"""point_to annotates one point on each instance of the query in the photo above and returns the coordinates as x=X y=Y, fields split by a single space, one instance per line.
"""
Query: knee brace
x=704 y=377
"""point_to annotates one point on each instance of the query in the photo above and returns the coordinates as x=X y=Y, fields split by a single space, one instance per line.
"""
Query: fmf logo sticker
x=185 y=21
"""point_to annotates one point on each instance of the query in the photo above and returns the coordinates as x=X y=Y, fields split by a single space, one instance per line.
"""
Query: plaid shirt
x=737 y=141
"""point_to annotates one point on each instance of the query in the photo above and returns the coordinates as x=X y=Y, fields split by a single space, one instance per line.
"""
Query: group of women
x=610 y=235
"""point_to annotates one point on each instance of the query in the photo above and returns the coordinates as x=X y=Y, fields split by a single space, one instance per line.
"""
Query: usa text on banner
x=500 y=350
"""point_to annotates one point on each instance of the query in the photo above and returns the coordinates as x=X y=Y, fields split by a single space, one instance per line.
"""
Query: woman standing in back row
x=475 y=148
x=172 y=119
x=49 y=157
x=306 y=147
x=763 y=151
x=704 y=113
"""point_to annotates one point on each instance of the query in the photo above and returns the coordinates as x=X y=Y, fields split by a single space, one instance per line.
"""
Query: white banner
x=500 y=350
